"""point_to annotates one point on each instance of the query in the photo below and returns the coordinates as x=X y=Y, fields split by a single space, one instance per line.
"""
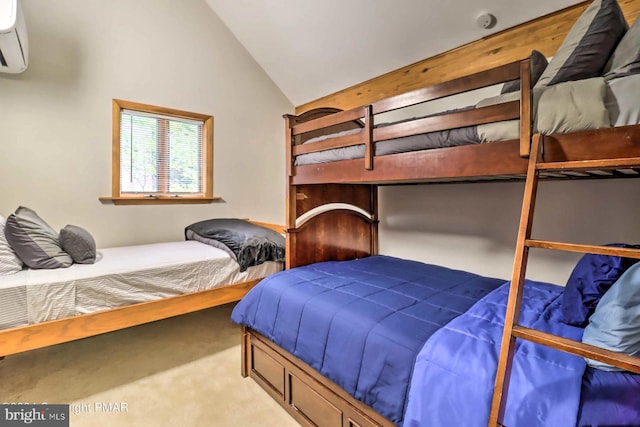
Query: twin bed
x=126 y=286
x=346 y=337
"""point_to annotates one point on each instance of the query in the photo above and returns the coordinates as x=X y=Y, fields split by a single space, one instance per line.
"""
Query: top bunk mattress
x=425 y=141
x=120 y=276
x=572 y=106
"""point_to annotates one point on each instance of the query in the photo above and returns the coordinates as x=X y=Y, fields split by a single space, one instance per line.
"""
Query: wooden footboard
x=310 y=398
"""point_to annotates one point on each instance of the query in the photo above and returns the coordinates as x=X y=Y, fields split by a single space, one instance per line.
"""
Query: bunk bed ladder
x=512 y=330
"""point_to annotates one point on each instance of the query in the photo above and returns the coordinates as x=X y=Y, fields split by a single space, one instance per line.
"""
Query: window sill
x=158 y=200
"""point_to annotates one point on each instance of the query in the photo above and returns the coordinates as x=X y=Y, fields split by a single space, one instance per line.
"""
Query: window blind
x=160 y=155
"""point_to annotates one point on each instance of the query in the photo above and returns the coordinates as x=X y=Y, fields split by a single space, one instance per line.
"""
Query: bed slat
x=333 y=119
x=590 y=249
x=496 y=75
x=614 y=358
x=489 y=114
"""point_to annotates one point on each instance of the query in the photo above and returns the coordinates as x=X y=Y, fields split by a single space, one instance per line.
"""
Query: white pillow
x=9 y=261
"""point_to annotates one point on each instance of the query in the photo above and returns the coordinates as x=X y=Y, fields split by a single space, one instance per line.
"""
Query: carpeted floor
x=183 y=371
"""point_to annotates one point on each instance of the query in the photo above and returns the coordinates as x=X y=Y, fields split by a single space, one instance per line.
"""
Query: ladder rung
x=627 y=162
x=621 y=360
x=588 y=249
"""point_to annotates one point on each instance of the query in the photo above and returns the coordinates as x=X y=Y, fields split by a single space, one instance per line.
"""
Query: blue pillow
x=589 y=280
x=615 y=325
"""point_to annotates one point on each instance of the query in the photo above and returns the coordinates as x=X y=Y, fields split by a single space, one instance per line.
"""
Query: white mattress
x=120 y=276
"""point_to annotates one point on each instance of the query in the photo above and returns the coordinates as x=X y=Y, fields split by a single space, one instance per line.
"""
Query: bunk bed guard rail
x=299 y=127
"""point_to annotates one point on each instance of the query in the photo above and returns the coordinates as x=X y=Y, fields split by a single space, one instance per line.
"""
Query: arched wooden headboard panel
x=348 y=230
x=308 y=197
x=335 y=235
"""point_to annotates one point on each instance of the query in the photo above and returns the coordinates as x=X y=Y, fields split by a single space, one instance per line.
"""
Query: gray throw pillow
x=9 y=261
x=626 y=58
x=572 y=106
x=34 y=241
x=79 y=243
x=588 y=45
x=621 y=100
x=538 y=65
x=615 y=324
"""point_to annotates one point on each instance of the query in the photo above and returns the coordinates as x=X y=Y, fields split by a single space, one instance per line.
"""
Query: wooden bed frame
x=348 y=233
x=310 y=398
x=30 y=337
x=472 y=162
x=348 y=229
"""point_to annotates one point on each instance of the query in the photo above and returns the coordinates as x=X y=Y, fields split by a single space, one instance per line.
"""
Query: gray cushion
x=252 y=244
x=34 y=241
x=626 y=58
x=572 y=106
x=615 y=325
x=538 y=65
x=79 y=243
x=565 y=107
x=588 y=45
x=622 y=100
x=499 y=131
x=9 y=261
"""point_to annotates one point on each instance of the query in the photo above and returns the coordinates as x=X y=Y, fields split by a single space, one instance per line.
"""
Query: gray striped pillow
x=34 y=241
x=9 y=261
x=626 y=58
x=588 y=45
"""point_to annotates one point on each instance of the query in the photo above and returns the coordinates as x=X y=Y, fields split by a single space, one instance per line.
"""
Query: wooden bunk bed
x=332 y=215
x=23 y=338
x=347 y=226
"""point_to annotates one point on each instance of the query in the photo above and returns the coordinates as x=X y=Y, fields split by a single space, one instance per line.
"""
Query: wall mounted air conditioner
x=14 y=44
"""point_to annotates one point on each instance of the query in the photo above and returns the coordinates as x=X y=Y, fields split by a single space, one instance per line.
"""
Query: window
x=160 y=155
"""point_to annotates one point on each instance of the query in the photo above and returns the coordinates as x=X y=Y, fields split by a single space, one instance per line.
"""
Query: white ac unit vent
x=14 y=43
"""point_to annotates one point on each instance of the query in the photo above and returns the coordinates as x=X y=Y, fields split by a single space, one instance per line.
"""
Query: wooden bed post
x=290 y=205
x=367 y=138
x=526 y=123
x=244 y=349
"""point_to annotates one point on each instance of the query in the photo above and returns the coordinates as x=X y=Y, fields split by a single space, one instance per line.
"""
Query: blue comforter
x=455 y=371
x=361 y=323
x=376 y=324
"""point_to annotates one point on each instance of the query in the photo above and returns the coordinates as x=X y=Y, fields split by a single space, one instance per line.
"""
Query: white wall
x=55 y=118
x=474 y=226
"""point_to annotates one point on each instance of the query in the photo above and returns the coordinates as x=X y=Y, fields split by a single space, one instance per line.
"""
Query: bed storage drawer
x=313 y=406
x=310 y=398
x=268 y=370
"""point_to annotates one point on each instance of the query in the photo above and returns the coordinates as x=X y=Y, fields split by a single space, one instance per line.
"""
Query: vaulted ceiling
x=311 y=48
